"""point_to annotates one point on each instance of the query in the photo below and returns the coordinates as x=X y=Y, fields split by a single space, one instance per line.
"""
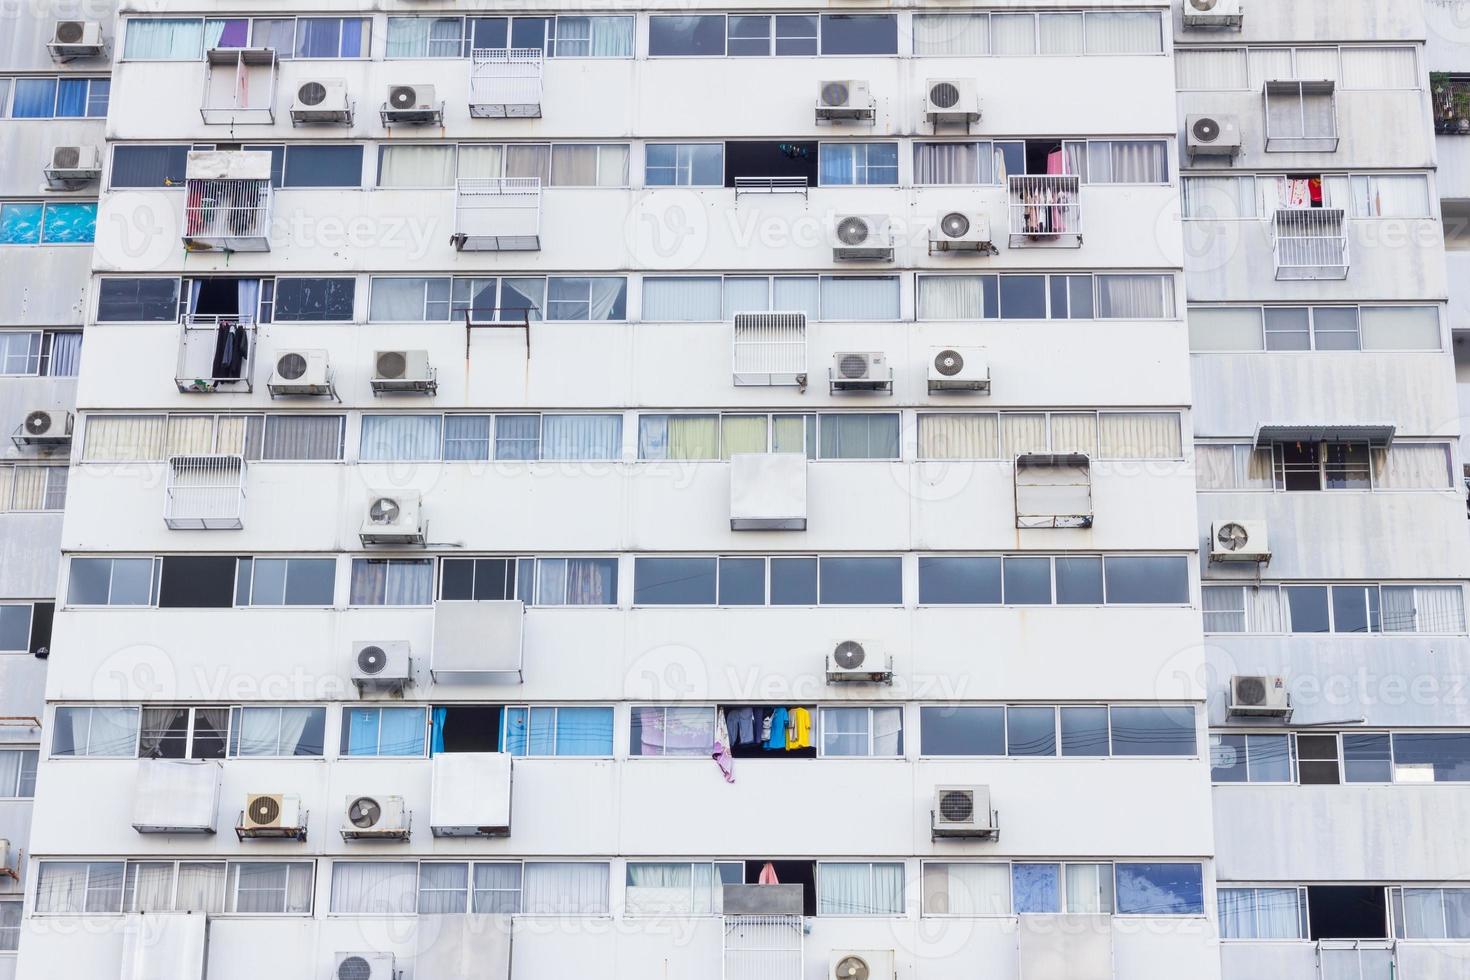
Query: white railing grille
x=215 y=352
x=1310 y=243
x=205 y=492
x=227 y=214
x=498 y=214
x=1046 y=210
x=505 y=82
x=763 y=947
x=769 y=349
x=1356 y=959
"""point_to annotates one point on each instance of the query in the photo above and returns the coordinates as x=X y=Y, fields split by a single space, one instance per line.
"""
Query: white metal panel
x=768 y=492
x=164 y=946
x=463 y=947
x=176 y=796
x=480 y=641
x=471 y=794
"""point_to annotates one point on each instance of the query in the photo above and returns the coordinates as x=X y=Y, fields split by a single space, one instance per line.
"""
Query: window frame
x=237 y=717
x=378 y=708
x=1058 y=753
x=1052 y=559
x=250 y=602
x=41 y=240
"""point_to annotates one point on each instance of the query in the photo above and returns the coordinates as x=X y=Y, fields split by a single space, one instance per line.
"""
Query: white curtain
x=398 y=582
x=954 y=35
x=1210 y=69
x=797 y=294
x=416 y=166
x=742 y=294
x=302 y=437
x=590 y=165
x=497 y=887
x=408 y=37
x=480 y=160
x=1413 y=466
x=1399 y=327
x=670 y=889
x=963 y=888
x=443 y=888
x=887 y=732
x=270 y=886
x=577 y=437
x=1259 y=913
x=612 y=37
x=63 y=886
x=66 y=354
x=123 y=438
x=1089 y=888
x=1012 y=34
x=1022 y=432
x=400 y=437
x=201 y=887
x=1379 y=68
x=1224 y=608
x=1219 y=197
x=683 y=298
x=1317 y=63
x=149 y=886
x=379 y=887
x=565 y=888
x=951 y=297
x=1237 y=913
x=860 y=298
x=1390 y=196
x=1226 y=328
x=528 y=160
x=1135 y=297
x=18 y=772
x=859 y=889
x=1270 y=64
x=1266 y=610
x=1139 y=435
x=403 y=300
x=969 y=436
x=1124 y=33
x=1423 y=609
x=1214 y=467
x=953 y=163
x=1423 y=914
x=163 y=39
x=1074 y=432
x=1128 y=162
x=1062 y=34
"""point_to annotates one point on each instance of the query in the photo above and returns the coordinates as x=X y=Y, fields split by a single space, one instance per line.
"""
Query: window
x=859 y=888
x=10 y=909
x=409 y=300
x=61 y=97
x=112 y=582
x=183 y=733
x=862 y=731
x=277 y=732
x=558 y=165
x=1127 y=162
x=529 y=888
x=15 y=627
x=49 y=353
x=1035 y=730
x=1357 y=608
x=970 y=162
x=576 y=581
x=1004 y=436
x=18 y=773
x=1039 y=580
x=743 y=581
x=332 y=37
x=659 y=730
x=1263 y=913
x=285 y=581
x=96 y=732
x=50 y=223
x=558 y=730
x=709 y=298
x=1038 y=297
x=854 y=435
x=589 y=165
x=587 y=298
x=1249 y=758
x=294 y=300
x=483 y=578
x=847 y=34
x=408 y=438
x=965 y=888
x=1160 y=889
x=375 y=887
x=303 y=437
x=163 y=39
x=32 y=488
x=1317 y=760
x=1431 y=913
x=392 y=582
x=1405 y=465
x=79 y=887
x=683 y=164
x=860 y=581
x=383 y=731
x=308 y=165
x=215 y=887
x=1431 y=757
x=1011 y=34
x=138 y=300
x=858 y=163
x=678 y=888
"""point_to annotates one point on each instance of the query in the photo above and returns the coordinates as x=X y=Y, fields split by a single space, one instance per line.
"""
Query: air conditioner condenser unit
x=321 y=100
x=412 y=104
x=951 y=100
x=1239 y=541
x=860 y=371
x=845 y=99
x=1259 y=696
x=406 y=371
x=272 y=815
x=959 y=369
x=73 y=166
x=862 y=238
x=394 y=517
x=1213 y=13
x=301 y=372
x=858 y=661
x=960 y=231
x=381 y=665
x=1212 y=136
x=375 y=818
x=963 y=812
x=364 y=966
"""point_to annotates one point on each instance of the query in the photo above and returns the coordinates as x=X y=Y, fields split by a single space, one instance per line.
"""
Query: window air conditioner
x=845 y=99
x=381 y=665
x=860 y=371
x=322 y=100
x=963 y=811
x=1212 y=13
x=45 y=428
x=364 y=966
x=73 y=166
x=375 y=818
x=861 y=964
x=300 y=372
x=862 y=237
x=1259 y=696
x=1210 y=136
x=393 y=517
x=272 y=815
x=412 y=104
x=1239 y=541
x=76 y=39
x=951 y=100
x=403 y=371
x=858 y=661
x=959 y=369
x=956 y=231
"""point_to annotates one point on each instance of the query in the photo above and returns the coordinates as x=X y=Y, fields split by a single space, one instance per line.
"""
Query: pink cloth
x=721 y=753
x=768 y=875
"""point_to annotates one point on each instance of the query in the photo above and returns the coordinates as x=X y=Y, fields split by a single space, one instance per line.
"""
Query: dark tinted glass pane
x=1031 y=731
x=859 y=34
x=324 y=166
x=1366 y=758
x=1350 y=609
x=528 y=32
x=1080 y=581
x=1308 y=607
x=197 y=582
x=702 y=35
x=1023 y=297
x=959 y=580
x=314 y=299
x=990 y=287
x=1317 y=759
x=148 y=166
x=1080 y=292
x=488 y=32
x=1165 y=730
x=310 y=581
x=673 y=581
x=1085 y=731
x=793 y=581
x=138 y=300
x=742 y=581
x=796 y=34
x=1147 y=579
x=1027 y=581
x=1227 y=759
x=1444 y=756
x=495 y=578
x=862 y=581
x=767 y=159
x=962 y=731
x=457 y=578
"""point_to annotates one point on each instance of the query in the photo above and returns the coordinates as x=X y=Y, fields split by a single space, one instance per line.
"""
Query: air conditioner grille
x=1233 y=537
x=1250 y=691
x=67 y=157
x=403 y=97
x=38 y=423
x=265 y=810
x=852 y=231
x=312 y=93
x=392 y=365
x=949 y=363
x=849 y=654
x=372 y=660
x=851 y=968
x=954 y=225
x=834 y=94
x=1203 y=5
x=354 y=968
x=944 y=95
x=70 y=31
x=384 y=510
x=291 y=367
x=956 y=807
x=853 y=366
x=364 y=813
x=1206 y=130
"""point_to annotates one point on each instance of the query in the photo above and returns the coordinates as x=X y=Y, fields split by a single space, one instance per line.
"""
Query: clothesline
x=774 y=729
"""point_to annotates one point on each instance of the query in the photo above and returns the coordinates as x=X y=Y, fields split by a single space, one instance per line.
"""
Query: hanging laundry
x=743 y=728
x=800 y=730
x=721 y=753
x=1314 y=191
x=765 y=735
x=777 y=739
x=768 y=875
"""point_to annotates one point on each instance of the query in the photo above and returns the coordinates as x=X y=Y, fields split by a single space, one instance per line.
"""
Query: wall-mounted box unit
x=1213 y=13
x=959 y=369
x=478 y=642
x=1239 y=541
x=858 y=662
x=471 y=794
x=272 y=815
x=394 y=517
x=176 y=796
x=164 y=946
x=846 y=99
x=963 y=812
x=1259 y=696
x=471 y=946
x=375 y=817
x=768 y=492
x=381 y=665
x=321 y=101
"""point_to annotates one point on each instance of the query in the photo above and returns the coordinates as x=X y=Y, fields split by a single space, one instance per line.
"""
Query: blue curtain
x=71 y=99
x=362 y=731
x=402 y=732
x=1036 y=888
x=35 y=98
x=839 y=163
x=583 y=731
x=436 y=739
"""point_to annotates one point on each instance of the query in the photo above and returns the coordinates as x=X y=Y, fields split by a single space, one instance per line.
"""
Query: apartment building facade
x=53 y=106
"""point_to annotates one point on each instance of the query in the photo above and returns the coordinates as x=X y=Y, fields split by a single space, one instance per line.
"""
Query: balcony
x=505 y=83
x=763 y=947
x=1046 y=211
x=205 y=493
x=227 y=204
x=1309 y=244
x=1053 y=490
x=239 y=87
x=497 y=214
x=1301 y=116
x=1451 y=102
x=769 y=349
x=1356 y=959
x=216 y=353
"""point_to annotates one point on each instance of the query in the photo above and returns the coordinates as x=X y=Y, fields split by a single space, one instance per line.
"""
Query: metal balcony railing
x=1356 y=959
x=497 y=214
x=763 y=947
x=1310 y=243
x=769 y=349
x=216 y=353
x=1046 y=211
x=505 y=83
x=239 y=86
x=205 y=493
x=227 y=214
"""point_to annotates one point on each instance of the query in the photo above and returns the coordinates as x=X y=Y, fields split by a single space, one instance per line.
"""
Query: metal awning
x=1377 y=434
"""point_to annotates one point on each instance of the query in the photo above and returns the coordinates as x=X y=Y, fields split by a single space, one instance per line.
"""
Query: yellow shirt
x=800 y=734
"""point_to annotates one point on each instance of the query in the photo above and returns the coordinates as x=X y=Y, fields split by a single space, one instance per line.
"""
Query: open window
x=787 y=872
x=1320 y=457
x=465 y=728
x=765 y=165
x=1347 y=912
